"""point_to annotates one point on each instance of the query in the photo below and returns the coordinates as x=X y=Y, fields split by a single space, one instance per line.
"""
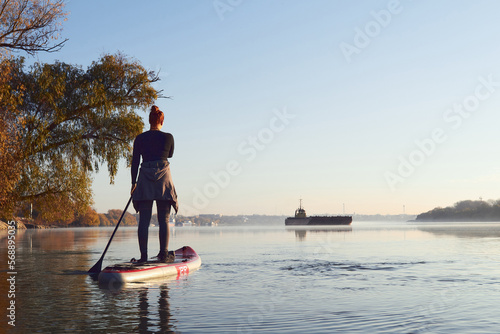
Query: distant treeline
x=112 y=217
x=251 y=220
x=385 y=218
x=464 y=211
x=92 y=218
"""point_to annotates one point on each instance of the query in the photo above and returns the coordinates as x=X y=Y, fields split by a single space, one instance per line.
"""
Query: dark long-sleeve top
x=152 y=145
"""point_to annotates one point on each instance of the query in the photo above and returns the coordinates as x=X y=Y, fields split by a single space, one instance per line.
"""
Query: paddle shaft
x=97 y=267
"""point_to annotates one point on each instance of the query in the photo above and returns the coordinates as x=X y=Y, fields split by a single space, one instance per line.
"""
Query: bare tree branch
x=31 y=25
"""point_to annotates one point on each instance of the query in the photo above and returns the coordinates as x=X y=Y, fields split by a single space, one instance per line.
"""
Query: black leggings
x=145 y=213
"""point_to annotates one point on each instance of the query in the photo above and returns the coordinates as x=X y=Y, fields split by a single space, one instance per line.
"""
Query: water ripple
x=316 y=266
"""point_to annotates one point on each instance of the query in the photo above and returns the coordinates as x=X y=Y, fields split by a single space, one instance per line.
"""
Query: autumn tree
x=72 y=121
x=59 y=122
x=88 y=218
x=115 y=214
x=103 y=220
x=9 y=136
x=30 y=26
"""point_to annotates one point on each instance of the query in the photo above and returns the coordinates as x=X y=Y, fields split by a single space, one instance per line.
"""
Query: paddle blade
x=96 y=269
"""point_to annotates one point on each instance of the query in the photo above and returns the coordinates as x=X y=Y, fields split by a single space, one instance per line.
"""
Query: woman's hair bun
x=155 y=116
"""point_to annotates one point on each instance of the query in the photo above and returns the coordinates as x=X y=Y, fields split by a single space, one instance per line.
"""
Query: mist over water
x=372 y=277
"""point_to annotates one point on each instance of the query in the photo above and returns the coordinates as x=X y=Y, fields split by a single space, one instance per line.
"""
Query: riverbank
x=22 y=224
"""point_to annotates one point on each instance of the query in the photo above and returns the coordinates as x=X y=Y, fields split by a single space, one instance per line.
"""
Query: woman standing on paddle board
x=154 y=183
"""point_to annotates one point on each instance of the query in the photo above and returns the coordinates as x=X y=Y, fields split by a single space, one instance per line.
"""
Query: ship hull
x=319 y=220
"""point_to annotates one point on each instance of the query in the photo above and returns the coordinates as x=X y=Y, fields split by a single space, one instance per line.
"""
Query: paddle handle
x=116 y=228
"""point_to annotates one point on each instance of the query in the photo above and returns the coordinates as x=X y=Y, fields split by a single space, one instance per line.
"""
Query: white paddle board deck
x=186 y=261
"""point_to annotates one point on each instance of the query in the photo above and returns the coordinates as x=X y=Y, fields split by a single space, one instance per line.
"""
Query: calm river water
x=373 y=277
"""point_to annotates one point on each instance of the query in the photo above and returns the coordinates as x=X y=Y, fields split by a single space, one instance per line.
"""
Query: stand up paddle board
x=186 y=261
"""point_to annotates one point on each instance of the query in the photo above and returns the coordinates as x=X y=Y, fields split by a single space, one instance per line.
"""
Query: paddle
x=96 y=269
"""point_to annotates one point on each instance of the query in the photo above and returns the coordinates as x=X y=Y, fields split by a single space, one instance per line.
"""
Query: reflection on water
x=301 y=232
x=133 y=308
x=463 y=230
x=147 y=321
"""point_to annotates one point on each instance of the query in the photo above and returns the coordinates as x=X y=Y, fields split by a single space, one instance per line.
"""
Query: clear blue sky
x=374 y=105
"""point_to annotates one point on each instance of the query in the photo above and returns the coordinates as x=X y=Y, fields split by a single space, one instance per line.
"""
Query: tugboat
x=302 y=219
